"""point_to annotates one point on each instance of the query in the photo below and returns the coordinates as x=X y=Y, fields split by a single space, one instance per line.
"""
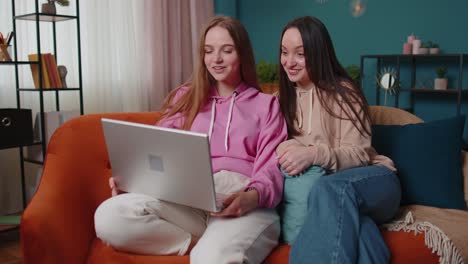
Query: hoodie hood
x=240 y=93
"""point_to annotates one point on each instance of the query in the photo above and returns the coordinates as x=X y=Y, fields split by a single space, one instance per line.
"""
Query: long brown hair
x=327 y=74
x=201 y=81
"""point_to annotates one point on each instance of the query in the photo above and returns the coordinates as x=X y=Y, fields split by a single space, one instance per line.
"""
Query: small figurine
x=49 y=7
x=4 y=55
x=63 y=74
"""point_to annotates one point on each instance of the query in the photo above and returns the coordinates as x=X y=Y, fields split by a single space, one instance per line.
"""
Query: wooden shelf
x=45 y=17
x=35 y=18
x=381 y=56
x=408 y=64
x=39 y=162
x=48 y=89
x=17 y=62
x=432 y=91
x=18 y=146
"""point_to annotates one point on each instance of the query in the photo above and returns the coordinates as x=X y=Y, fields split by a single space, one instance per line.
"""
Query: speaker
x=15 y=127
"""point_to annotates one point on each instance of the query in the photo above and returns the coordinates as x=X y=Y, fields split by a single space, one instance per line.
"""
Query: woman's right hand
x=296 y=158
x=114 y=188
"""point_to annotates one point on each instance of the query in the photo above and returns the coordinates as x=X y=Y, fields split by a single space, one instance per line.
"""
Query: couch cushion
x=100 y=253
x=293 y=207
x=387 y=115
x=404 y=247
x=427 y=156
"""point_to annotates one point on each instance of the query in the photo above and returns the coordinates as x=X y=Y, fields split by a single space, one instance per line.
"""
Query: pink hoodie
x=245 y=129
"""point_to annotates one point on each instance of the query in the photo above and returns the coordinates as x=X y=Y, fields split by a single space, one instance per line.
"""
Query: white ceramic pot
x=440 y=84
x=423 y=51
x=434 y=51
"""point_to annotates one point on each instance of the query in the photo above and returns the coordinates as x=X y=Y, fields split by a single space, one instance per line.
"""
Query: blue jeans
x=344 y=210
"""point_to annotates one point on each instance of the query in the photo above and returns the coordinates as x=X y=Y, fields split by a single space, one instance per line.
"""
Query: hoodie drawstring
x=300 y=118
x=213 y=111
x=309 y=129
x=213 y=114
x=226 y=135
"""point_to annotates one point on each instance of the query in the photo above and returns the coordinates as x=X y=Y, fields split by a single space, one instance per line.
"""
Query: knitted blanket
x=445 y=230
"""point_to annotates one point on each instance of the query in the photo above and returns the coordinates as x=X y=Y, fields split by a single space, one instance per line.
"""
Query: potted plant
x=49 y=7
x=354 y=72
x=424 y=49
x=268 y=76
x=434 y=48
x=440 y=83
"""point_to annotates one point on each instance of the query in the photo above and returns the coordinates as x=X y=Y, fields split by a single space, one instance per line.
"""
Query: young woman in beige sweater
x=329 y=126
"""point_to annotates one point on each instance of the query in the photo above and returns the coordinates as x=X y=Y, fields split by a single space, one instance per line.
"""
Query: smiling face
x=293 y=58
x=221 y=57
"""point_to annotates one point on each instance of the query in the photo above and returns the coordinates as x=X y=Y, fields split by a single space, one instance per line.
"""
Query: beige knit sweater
x=339 y=144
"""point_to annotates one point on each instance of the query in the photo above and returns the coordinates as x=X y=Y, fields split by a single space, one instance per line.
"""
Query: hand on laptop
x=238 y=204
x=114 y=188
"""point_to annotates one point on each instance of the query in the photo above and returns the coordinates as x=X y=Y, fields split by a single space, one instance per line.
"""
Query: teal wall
x=382 y=29
x=226 y=7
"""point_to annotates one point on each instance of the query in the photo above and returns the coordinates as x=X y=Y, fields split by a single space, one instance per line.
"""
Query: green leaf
x=267 y=72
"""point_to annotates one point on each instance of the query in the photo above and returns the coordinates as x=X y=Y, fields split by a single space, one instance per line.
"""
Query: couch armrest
x=58 y=224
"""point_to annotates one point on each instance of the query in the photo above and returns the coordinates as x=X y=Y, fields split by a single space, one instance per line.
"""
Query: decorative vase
x=63 y=74
x=407 y=48
x=49 y=8
x=440 y=84
x=416 y=45
x=5 y=53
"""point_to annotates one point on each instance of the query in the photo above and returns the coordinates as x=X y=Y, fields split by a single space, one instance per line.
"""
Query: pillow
x=428 y=159
x=293 y=208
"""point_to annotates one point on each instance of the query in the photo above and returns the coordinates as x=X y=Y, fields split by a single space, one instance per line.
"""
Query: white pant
x=140 y=224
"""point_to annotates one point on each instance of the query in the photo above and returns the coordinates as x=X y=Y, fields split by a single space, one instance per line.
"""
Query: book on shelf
x=35 y=71
x=52 y=71
x=50 y=74
x=46 y=59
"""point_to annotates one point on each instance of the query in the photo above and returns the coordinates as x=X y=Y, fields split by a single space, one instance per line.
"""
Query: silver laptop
x=168 y=164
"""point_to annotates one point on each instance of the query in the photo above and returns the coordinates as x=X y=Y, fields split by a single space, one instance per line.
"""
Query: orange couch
x=57 y=226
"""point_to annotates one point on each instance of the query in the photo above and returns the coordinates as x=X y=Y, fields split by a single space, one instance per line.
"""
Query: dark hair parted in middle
x=330 y=78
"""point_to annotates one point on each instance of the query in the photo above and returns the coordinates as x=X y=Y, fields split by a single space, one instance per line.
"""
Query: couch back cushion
x=427 y=156
x=385 y=115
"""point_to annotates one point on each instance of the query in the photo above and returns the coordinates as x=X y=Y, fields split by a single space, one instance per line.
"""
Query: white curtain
x=132 y=54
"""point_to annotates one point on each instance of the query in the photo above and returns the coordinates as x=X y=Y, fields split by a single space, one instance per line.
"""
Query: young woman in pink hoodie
x=245 y=127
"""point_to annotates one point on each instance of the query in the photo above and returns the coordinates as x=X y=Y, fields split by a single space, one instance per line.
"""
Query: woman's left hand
x=295 y=158
x=238 y=204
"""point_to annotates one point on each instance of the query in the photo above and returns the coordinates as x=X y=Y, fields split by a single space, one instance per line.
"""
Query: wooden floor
x=10 y=248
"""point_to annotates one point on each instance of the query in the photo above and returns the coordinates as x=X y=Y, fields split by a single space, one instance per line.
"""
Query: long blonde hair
x=201 y=81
